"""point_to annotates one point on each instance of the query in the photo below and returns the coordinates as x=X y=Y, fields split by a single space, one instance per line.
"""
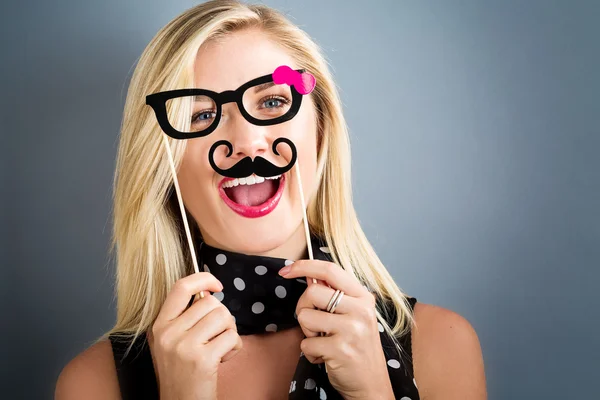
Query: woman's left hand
x=351 y=348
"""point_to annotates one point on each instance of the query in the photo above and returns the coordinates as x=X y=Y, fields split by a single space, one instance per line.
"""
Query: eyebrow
x=264 y=86
x=202 y=98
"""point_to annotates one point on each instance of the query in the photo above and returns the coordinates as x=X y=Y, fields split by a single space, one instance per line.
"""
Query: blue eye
x=203 y=116
x=274 y=102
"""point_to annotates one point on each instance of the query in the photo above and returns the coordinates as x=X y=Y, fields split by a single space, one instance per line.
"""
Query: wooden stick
x=306 y=230
x=182 y=209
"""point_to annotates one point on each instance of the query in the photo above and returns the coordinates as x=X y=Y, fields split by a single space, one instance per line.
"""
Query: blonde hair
x=148 y=237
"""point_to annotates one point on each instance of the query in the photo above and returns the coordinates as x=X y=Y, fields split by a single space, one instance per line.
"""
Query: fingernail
x=285 y=270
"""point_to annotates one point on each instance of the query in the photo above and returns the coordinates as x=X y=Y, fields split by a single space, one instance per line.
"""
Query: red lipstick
x=253 y=211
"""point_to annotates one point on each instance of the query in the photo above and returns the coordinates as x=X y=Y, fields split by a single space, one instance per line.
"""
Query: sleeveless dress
x=263 y=301
x=137 y=378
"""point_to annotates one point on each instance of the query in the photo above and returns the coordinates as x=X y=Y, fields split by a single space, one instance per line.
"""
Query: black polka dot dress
x=263 y=302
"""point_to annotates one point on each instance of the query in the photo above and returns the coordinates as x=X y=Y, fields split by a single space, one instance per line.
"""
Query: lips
x=247 y=196
x=250 y=193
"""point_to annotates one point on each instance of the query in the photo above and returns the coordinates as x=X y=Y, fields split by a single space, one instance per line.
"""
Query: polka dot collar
x=253 y=291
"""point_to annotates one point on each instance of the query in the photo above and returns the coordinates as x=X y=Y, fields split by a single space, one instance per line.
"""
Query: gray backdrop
x=475 y=135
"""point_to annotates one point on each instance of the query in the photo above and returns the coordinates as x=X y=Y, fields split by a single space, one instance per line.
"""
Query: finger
x=236 y=349
x=318 y=360
x=213 y=324
x=319 y=347
x=180 y=294
x=314 y=360
x=332 y=274
x=221 y=346
x=312 y=281
x=319 y=296
x=198 y=310
x=314 y=321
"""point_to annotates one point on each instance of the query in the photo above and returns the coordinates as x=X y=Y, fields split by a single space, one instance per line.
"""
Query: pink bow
x=303 y=82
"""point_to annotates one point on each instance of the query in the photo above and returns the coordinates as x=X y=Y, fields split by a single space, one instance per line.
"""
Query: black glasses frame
x=158 y=102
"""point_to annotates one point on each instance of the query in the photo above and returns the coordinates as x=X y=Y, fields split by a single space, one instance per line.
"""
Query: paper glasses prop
x=192 y=113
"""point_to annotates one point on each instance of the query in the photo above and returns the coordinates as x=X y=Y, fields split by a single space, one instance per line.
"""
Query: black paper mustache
x=247 y=166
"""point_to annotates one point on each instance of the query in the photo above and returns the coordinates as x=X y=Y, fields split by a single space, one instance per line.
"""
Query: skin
x=447 y=358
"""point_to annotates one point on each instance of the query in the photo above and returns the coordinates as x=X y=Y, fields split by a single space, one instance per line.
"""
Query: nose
x=248 y=140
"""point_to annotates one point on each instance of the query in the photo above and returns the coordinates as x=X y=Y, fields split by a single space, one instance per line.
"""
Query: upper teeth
x=249 y=180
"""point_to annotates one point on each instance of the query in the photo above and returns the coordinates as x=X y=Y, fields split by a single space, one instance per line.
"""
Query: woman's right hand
x=189 y=344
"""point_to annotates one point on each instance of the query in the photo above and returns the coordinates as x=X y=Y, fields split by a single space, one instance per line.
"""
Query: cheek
x=304 y=134
x=306 y=142
x=194 y=173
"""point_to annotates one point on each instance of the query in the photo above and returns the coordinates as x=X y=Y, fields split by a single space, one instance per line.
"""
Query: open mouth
x=253 y=196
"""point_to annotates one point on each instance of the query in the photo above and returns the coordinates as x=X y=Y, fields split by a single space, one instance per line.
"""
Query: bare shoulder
x=447 y=356
x=90 y=375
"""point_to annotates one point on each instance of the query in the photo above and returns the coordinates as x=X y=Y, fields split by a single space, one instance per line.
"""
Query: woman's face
x=228 y=217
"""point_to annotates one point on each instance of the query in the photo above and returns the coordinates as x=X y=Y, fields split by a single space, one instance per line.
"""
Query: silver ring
x=335 y=300
x=332 y=300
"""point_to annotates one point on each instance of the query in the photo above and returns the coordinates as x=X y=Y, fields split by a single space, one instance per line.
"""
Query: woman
x=242 y=326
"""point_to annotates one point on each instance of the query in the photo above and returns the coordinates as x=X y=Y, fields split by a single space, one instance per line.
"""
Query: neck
x=294 y=248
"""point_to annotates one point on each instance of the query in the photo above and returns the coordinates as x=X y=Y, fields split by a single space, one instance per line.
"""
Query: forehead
x=236 y=59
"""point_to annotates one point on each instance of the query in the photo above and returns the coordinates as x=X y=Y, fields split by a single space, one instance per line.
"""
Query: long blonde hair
x=148 y=236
